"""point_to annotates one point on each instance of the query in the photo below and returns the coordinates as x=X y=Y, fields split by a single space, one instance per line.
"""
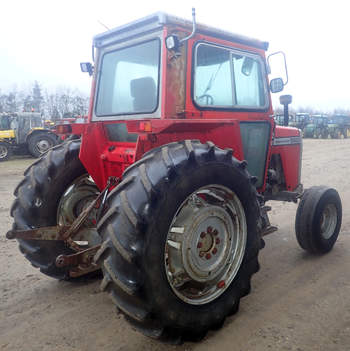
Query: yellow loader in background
x=24 y=132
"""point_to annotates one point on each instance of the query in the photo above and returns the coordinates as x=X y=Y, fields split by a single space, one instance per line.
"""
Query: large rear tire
x=40 y=143
x=181 y=240
x=53 y=191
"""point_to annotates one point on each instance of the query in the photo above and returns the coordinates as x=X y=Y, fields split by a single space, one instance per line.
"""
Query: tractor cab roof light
x=172 y=42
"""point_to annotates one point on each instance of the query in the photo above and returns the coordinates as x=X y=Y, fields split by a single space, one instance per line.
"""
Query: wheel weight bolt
x=215 y=250
x=199 y=245
x=208 y=256
x=221 y=284
x=217 y=241
x=202 y=235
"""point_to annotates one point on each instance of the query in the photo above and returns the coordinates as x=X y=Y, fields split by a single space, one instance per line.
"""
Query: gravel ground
x=298 y=302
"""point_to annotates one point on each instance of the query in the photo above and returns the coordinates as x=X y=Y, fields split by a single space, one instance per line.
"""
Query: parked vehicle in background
x=317 y=128
x=279 y=119
x=339 y=126
x=24 y=132
x=300 y=121
x=63 y=129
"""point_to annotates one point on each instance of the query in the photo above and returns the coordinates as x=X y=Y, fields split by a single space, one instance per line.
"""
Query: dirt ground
x=298 y=302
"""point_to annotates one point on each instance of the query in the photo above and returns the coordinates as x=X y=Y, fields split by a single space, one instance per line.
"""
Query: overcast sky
x=46 y=40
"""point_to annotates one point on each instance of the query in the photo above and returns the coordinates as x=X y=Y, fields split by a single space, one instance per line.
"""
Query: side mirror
x=87 y=67
x=276 y=85
x=247 y=66
x=279 y=63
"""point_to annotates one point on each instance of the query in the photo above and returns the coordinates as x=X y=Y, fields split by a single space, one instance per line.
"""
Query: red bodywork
x=180 y=120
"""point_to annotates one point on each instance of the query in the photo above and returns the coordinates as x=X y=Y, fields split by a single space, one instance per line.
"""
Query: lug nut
x=215 y=250
x=217 y=241
x=202 y=235
x=215 y=232
x=209 y=229
x=199 y=245
x=208 y=256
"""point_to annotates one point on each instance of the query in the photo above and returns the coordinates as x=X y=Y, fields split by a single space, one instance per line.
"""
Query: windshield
x=229 y=79
x=4 y=123
x=129 y=80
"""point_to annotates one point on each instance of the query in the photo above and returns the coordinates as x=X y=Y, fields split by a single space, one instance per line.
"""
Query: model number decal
x=287 y=141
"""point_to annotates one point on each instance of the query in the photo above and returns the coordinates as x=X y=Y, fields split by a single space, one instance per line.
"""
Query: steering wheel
x=209 y=100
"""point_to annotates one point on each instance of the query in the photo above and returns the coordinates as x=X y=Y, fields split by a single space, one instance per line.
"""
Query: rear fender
x=104 y=157
x=38 y=131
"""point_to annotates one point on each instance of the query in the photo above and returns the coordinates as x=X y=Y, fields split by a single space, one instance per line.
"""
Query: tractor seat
x=143 y=91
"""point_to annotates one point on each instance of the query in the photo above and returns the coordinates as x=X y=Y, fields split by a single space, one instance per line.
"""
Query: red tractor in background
x=165 y=191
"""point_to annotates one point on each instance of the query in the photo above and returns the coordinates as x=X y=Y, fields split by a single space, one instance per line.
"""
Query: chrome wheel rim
x=43 y=145
x=75 y=199
x=205 y=244
x=329 y=221
x=3 y=151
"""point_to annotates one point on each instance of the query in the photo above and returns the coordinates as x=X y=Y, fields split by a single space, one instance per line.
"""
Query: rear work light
x=145 y=126
x=64 y=129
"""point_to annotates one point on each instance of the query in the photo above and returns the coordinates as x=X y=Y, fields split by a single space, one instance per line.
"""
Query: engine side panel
x=287 y=143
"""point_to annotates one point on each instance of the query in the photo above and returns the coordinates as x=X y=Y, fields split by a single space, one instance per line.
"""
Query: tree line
x=66 y=102
x=278 y=110
x=63 y=103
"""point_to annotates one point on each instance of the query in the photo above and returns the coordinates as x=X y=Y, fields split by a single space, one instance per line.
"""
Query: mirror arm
x=193 y=27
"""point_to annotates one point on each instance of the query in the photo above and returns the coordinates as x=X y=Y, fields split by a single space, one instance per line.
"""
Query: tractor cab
x=164 y=78
x=339 y=126
x=300 y=120
x=317 y=127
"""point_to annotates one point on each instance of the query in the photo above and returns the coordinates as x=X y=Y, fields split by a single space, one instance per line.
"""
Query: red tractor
x=165 y=191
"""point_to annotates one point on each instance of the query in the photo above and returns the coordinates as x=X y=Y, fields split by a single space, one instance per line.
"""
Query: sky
x=46 y=40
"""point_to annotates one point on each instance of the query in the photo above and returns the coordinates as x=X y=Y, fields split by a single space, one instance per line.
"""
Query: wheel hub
x=77 y=198
x=205 y=244
x=204 y=253
x=328 y=221
x=43 y=146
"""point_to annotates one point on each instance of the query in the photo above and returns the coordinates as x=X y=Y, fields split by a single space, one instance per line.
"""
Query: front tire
x=149 y=222
x=318 y=219
x=5 y=151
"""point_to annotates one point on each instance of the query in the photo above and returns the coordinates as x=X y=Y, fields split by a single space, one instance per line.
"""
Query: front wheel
x=5 y=151
x=40 y=143
x=181 y=240
x=318 y=219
